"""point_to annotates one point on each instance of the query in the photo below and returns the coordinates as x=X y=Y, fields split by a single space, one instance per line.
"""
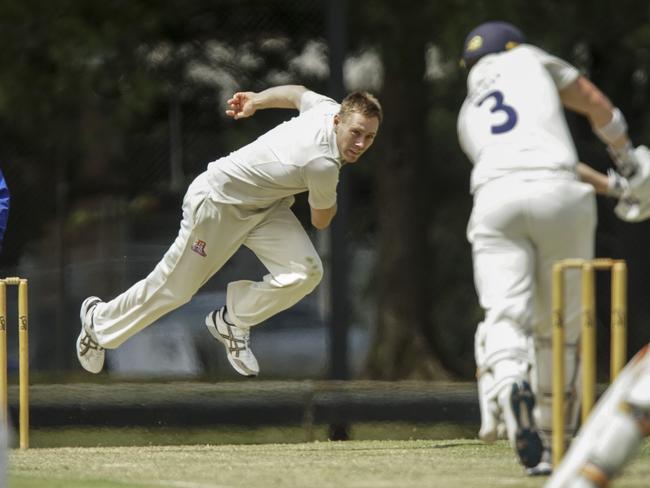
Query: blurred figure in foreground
x=613 y=432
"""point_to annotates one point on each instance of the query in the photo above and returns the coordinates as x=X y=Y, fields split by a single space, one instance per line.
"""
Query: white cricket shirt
x=512 y=120
x=296 y=156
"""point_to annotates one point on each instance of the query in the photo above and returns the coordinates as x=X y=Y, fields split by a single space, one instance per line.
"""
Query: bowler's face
x=354 y=135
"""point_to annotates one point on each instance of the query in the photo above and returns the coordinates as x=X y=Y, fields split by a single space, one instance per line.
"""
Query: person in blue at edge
x=4 y=207
x=4 y=218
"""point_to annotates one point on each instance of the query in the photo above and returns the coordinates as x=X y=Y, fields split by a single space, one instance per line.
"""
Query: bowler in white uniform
x=530 y=210
x=245 y=199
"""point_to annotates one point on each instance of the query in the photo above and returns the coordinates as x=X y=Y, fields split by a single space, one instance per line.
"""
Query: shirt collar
x=331 y=141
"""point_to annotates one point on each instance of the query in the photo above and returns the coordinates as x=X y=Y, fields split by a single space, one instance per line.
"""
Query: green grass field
x=460 y=463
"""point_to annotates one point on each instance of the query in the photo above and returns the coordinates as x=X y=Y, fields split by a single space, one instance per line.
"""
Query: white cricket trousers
x=518 y=229
x=210 y=233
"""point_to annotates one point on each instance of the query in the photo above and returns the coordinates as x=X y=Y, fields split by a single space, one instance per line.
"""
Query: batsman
x=533 y=205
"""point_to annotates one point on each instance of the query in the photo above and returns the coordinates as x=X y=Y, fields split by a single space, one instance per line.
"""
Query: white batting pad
x=501 y=359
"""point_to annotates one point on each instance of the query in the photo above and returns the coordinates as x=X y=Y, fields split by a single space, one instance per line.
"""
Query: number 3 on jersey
x=499 y=106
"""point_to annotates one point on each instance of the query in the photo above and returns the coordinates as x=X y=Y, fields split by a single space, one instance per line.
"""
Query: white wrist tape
x=613 y=129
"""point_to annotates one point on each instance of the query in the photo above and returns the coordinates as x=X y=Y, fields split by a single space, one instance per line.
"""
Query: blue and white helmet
x=490 y=37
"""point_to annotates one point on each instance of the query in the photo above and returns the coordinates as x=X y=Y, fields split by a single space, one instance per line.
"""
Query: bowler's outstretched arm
x=245 y=104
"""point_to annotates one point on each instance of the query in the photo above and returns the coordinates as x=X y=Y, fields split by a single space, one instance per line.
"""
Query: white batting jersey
x=298 y=155
x=512 y=119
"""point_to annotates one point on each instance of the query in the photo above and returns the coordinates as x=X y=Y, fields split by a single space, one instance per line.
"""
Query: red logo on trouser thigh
x=199 y=247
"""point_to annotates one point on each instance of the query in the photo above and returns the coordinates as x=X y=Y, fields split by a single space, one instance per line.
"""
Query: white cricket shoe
x=236 y=341
x=90 y=354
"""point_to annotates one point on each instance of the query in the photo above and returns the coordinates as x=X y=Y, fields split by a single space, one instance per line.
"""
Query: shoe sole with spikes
x=528 y=443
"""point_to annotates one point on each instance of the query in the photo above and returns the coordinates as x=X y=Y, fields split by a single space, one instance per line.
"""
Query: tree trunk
x=401 y=349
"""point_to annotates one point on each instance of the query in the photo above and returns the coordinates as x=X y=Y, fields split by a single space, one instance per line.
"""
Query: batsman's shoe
x=91 y=355
x=528 y=444
x=236 y=341
x=544 y=467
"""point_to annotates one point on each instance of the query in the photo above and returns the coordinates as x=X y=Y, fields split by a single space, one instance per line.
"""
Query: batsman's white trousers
x=209 y=235
x=520 y=225
x=518 y=229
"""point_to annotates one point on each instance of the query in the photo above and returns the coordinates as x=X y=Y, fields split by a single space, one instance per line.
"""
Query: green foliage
x=607 y=41
x=86 y=90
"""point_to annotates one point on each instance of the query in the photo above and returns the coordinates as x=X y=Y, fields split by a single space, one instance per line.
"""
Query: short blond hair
x=363 y=103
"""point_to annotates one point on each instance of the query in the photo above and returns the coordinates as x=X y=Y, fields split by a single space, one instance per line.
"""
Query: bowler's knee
x=302 y=276
x=310 y=275
x=314 y=268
